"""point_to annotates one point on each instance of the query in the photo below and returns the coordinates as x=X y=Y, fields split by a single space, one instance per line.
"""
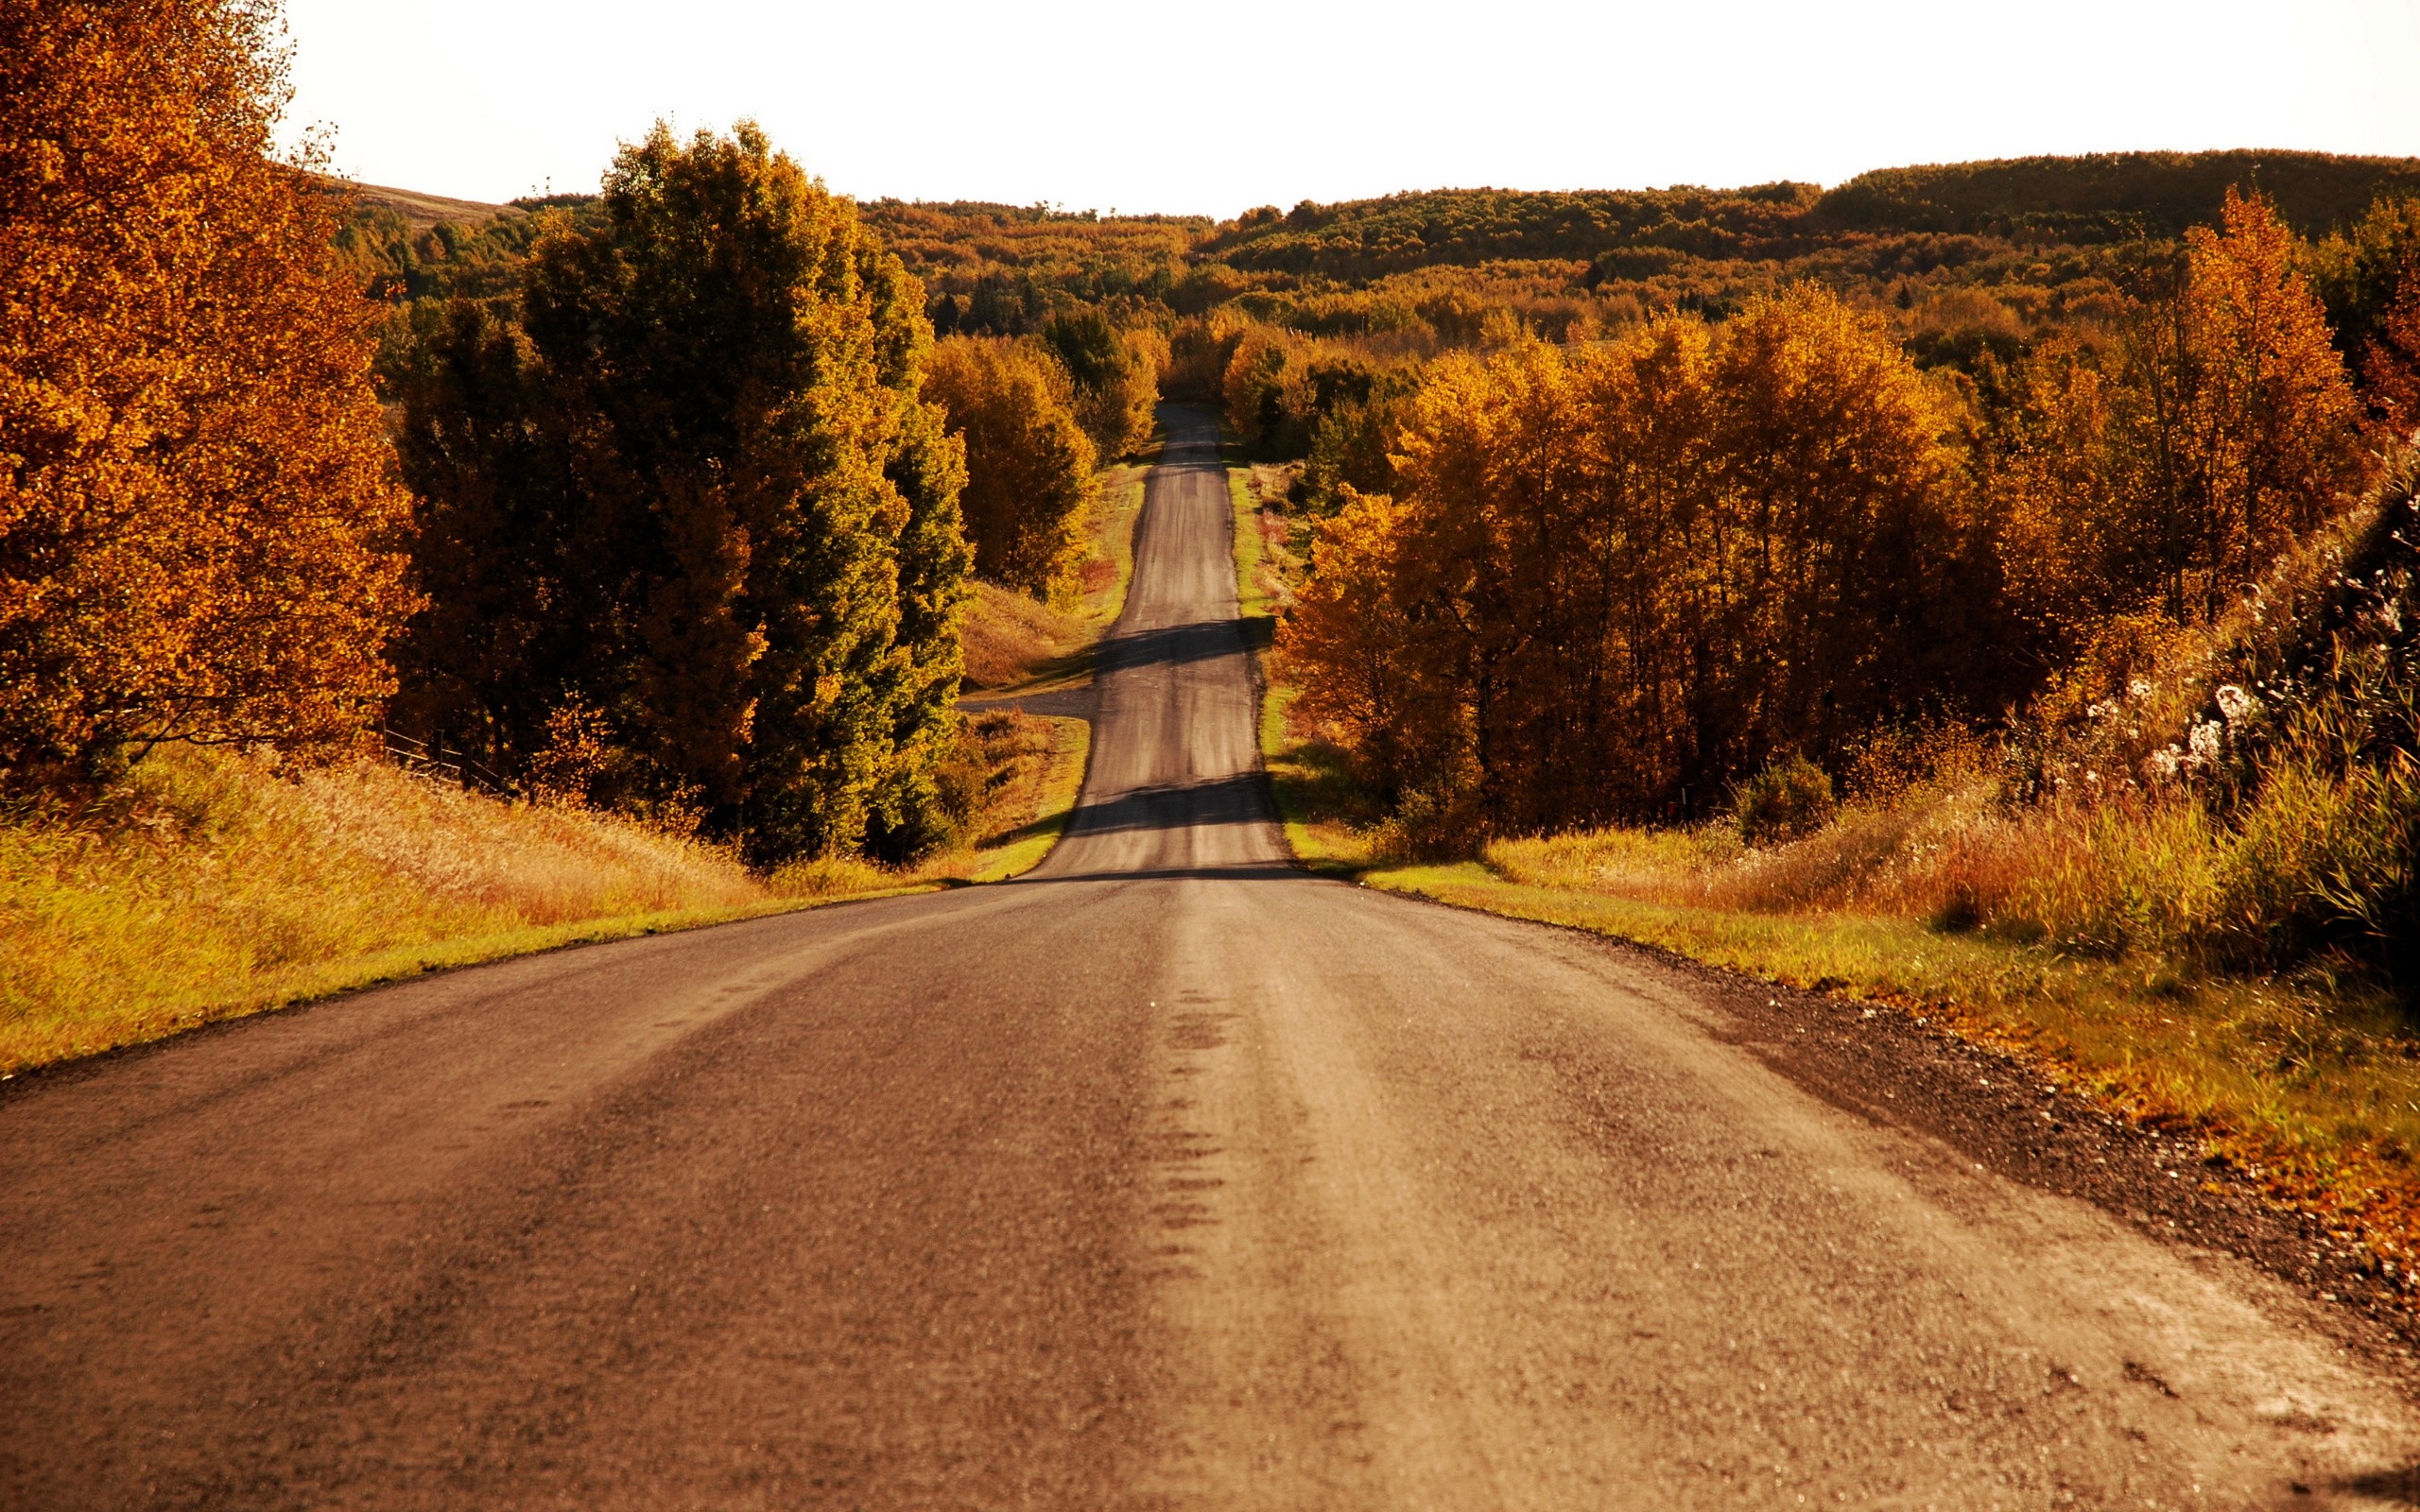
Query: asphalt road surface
x=1167 y=1178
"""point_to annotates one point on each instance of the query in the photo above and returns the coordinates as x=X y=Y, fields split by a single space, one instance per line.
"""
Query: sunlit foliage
x=2165 y=469
x=197 y=526
x=1609 y=575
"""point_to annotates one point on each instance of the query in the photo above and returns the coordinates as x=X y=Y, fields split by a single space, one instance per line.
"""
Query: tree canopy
x=199 y=527
x=697 y=465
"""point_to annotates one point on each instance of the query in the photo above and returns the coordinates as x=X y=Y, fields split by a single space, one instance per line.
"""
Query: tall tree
x=197 y=526
x=712 y=452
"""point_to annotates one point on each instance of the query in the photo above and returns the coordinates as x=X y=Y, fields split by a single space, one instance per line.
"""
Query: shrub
x=1790 y=799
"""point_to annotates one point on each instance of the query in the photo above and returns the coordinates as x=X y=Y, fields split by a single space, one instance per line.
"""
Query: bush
x=1790 y=799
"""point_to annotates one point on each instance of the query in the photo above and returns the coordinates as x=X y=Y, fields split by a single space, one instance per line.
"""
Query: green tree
x=756 y=521
x=1116 y=377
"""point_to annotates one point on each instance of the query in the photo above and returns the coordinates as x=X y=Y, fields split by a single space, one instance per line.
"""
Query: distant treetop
x=2113 y=196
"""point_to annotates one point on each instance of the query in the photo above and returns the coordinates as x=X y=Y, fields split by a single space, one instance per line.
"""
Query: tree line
x=667 y=497
x=664 y=499
x=1611 y=580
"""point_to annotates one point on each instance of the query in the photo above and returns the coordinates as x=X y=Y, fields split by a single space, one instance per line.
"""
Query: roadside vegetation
x=379 y=592
x=1017 y=644
x=2072 y=705
x=211 y=885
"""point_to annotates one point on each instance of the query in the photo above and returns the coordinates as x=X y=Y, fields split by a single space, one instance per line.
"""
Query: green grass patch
x=1017 y=851
x=1114 y=514
x=1253 y=594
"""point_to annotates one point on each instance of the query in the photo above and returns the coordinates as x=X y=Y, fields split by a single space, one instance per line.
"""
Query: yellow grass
x=213 y=887
x=1041 y=774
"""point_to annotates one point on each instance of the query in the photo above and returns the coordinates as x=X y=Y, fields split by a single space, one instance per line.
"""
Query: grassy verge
x=1018 y=645
x=1035 y=768
x=2309 y=1085
x=213 y=888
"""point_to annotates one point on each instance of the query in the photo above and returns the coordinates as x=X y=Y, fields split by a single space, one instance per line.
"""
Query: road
x=1168 y=1177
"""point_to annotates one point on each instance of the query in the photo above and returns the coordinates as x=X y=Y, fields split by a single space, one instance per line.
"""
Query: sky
x=1214 y=109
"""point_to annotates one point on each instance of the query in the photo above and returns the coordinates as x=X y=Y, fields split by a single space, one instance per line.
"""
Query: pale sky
x=1216 y=107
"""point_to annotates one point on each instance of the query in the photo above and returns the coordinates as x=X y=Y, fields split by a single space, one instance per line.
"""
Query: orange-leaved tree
x=2233 y=422
x=2164 y=473
x=198 y=517
x=2391 y=361
x=1613 y=579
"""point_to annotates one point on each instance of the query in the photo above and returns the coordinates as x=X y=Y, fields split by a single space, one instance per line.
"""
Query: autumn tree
x=1115 y=372
x=696 y=482
x=2391 y=361
x=2164 y=470
x=2271 y=413
x=1610 y=577
x=197 y=527
x=1029 y=483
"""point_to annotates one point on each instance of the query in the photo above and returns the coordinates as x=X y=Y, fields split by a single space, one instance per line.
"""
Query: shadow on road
x=1238 y=800
x=1175 y=644
x=1239 y=871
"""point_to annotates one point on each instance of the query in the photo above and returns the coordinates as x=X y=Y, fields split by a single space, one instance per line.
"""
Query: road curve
x=1168 y=1177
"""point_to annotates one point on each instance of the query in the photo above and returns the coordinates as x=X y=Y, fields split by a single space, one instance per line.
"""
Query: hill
x=419 y=212
x=2113 y=195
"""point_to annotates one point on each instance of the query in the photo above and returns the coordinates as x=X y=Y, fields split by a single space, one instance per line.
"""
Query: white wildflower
x=2203 y=741
x=2236 y=705
x=2138 y=689
x=2163 y=763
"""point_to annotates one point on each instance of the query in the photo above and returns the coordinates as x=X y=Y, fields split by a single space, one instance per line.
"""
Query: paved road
x=1168 y=1177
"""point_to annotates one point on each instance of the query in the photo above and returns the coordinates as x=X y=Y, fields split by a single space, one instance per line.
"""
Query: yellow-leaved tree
x=197 y=511
x=1028 y=464
x=2164 y=473
x=1612 y=581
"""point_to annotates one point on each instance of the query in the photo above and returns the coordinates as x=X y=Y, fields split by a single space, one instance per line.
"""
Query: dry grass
x=2077 y=935
x=1018 y=643
x=1011 y=640
x=212 y=887
x=1036 y=769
